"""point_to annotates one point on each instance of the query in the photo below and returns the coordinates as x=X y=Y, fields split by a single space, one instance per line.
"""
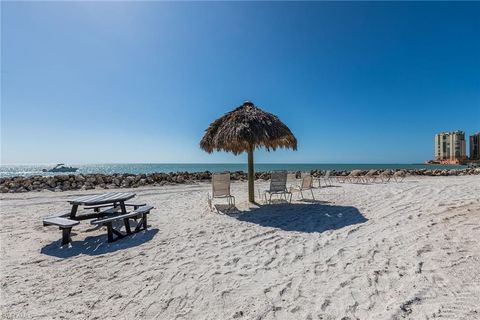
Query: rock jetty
x=112 y=181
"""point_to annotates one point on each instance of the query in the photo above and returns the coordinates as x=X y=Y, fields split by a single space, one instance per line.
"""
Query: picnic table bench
x=64 y=224
x=114 y=209
x=139 y=213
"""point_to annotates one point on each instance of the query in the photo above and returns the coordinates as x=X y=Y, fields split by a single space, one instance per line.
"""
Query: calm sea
x=135 y=168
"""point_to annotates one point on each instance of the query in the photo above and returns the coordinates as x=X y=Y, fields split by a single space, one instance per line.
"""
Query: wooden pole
x=251 y=176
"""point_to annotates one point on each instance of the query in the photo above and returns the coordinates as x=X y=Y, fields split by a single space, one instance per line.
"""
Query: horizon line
x=202 y=163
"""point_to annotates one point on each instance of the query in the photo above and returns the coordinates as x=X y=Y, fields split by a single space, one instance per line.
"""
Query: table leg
x=126 y=221
x=123 y=207
x=73 y=213
x=66 y=239
x=110 y=232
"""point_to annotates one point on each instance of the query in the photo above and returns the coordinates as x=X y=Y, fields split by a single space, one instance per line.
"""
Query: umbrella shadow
x=97 y=245
x=314 y=216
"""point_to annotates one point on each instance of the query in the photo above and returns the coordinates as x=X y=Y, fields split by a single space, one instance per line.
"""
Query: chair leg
x=312 y=194
x=231 y=201
x=209 y=201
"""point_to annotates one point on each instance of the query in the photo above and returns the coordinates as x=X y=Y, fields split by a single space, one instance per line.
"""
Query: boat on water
x=61 y=168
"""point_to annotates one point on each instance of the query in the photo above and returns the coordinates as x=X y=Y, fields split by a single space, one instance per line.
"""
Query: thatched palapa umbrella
x=245 y=129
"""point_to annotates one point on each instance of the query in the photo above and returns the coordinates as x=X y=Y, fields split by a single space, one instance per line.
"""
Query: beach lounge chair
x=292 y=179
x=306 y=184
x=399 y=176
x=370 y=176
x=278 y=185
x=304 y=174
x=221 y=189
x=327 y=179
x=357 y=176
x=342 y=178
x=353 y=176
x=385 y=176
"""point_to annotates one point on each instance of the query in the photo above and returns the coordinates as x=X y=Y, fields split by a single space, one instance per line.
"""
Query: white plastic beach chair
x=355 y=176
x=278 y=185
x=306 y=184
x=351 y=177
x=327 y=179
x=221 y=189
x=292 y=179
x=399 y=176
x=304 y=174
x=370 y=176
x=385 y=176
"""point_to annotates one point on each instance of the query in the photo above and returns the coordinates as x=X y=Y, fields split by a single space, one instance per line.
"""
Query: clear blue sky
x=100 y=82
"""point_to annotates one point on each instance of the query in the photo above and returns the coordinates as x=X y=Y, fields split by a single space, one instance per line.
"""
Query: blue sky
x=101 y=82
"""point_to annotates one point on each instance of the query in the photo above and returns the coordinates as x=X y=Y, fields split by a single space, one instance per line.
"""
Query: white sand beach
x=405 y=250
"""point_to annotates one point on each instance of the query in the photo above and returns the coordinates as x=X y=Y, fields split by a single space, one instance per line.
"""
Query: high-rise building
x=450 y=147
x=475 y=146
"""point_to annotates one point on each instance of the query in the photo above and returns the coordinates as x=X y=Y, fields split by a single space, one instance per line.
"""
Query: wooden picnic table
x=113 y=198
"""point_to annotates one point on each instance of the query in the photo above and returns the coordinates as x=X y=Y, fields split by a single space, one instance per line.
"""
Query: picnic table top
x=103 y=198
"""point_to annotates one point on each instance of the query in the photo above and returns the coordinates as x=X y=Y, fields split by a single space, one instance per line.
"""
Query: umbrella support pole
x=251 y=176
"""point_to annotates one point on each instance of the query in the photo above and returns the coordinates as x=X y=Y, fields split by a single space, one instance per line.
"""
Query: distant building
x=450 y=147
x=475 y=146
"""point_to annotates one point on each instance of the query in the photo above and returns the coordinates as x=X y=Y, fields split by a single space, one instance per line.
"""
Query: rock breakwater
x=112 y=181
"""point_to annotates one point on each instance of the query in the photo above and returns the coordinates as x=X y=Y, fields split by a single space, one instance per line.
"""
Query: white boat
x=61 y=168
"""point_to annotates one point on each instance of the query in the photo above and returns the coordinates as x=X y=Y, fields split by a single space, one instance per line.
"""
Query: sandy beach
x=405 y=250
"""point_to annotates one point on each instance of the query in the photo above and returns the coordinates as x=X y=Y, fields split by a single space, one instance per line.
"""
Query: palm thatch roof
x=247 y=127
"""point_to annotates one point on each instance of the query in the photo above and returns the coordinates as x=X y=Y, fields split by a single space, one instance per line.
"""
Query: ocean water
x=136 y=168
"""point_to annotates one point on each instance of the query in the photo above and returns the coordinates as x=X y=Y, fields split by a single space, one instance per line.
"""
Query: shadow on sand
x=97 y=245
x=307 y=216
